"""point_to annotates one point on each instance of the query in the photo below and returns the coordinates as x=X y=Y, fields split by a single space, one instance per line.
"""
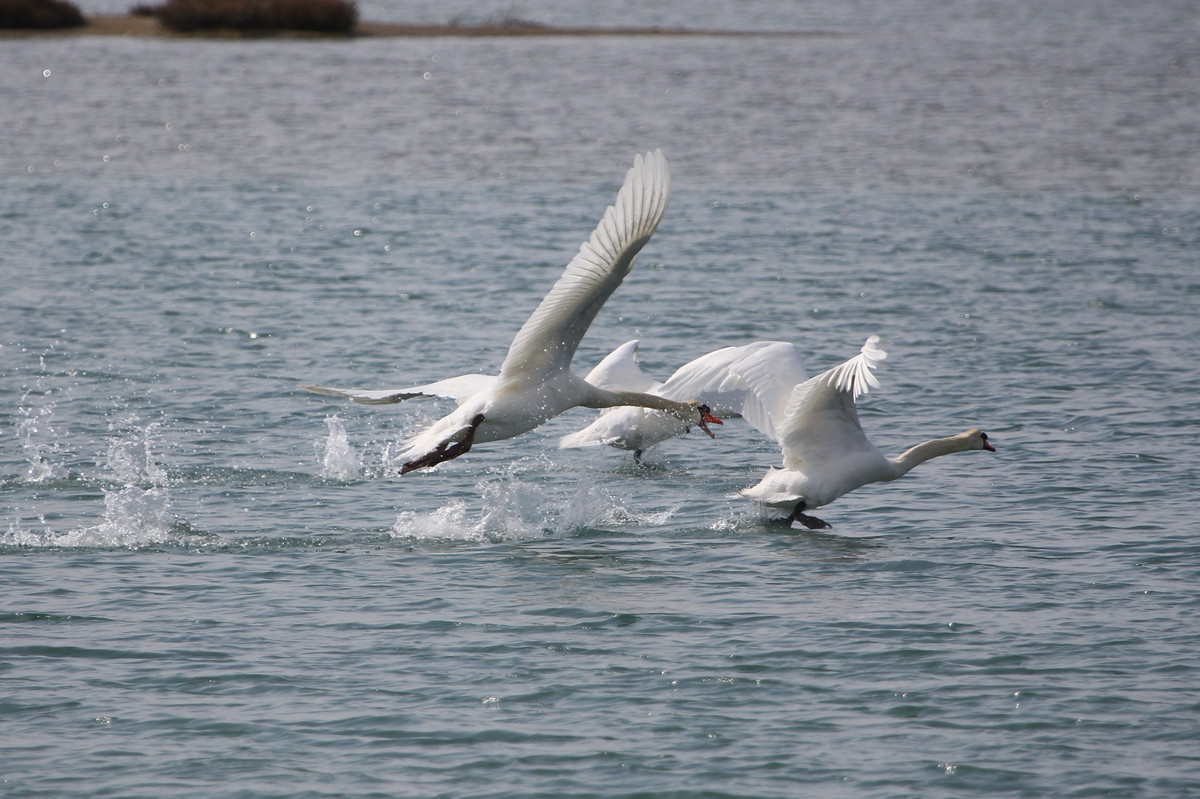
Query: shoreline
x=148 y=26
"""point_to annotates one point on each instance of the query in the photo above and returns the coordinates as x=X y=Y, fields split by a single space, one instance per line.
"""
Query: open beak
x=705 y=418
x=988 y=447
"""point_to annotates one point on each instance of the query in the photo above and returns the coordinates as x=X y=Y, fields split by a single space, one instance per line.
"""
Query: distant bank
x=137 y=25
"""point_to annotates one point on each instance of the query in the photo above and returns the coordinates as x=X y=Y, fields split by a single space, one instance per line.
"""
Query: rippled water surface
x=214 y=584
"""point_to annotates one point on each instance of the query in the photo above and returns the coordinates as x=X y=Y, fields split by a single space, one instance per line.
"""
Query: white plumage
x=752 y=380
x=825 y=451
x=535 y=381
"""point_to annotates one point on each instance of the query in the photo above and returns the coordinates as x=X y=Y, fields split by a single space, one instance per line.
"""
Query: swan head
x=976 y=439
x=705 y=417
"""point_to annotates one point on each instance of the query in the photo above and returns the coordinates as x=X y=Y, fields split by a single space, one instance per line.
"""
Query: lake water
x=214 y=585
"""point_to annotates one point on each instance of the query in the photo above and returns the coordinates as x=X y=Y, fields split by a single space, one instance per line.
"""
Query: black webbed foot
x=446 y=450
x=812 y=522
x=798 y=515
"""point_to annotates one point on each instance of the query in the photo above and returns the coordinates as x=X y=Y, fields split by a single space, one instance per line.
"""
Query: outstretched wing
x=547 y=341
x=753 y=380
x=619 y=371
x=820 y=422
x=455 y=388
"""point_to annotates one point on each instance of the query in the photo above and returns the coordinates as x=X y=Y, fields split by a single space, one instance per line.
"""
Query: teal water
x=214 y=585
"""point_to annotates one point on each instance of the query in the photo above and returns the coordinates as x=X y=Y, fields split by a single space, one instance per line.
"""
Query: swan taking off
x=535 y=381
x=748 y=381
x=825 y=452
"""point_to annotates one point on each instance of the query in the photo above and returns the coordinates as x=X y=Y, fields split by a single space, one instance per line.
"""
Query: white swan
x=750 y=381
x=825 y=452
x=535 y=381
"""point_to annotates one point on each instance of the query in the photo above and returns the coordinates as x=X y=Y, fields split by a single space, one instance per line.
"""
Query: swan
x=825 y=452
x=535 y=382
x=746 y=381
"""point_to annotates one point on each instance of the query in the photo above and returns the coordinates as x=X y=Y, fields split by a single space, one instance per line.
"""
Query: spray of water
x=136 y=502
x=339 y=461
x=522 y=501
x=39 y=442
x=131 y=458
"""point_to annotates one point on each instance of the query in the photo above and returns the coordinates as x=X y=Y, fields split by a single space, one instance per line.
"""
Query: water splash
x=39 y=442
x=339 y=461
x=131 y=459
x=133 y=517
x=523 y=501
x=739 y=519
x=137 y=510
x=449 y=523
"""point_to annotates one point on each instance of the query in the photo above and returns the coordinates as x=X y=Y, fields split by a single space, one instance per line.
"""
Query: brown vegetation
x=256 y=16
x=39 y=14
x=145 y=20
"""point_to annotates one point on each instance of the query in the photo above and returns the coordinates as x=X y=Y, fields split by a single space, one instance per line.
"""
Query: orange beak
x=706 y=417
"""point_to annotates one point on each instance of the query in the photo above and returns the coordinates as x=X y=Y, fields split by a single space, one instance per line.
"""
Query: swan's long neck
x=608 y=399
x=915 y=456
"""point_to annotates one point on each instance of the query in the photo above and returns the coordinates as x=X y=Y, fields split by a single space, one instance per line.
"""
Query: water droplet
x=45 y=73
x=427 y=75
x=357 y=232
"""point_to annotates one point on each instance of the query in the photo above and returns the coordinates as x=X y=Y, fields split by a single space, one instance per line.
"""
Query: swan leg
x=446 y=450
x=798 y=515
x=637 y=457
x=812 y=522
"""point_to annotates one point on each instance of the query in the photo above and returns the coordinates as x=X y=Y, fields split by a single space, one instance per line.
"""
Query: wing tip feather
x=856 y=376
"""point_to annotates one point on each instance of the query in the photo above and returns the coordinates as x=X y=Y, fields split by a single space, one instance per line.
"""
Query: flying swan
x=535 y=381
x=825 y=452
x=733 y=381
